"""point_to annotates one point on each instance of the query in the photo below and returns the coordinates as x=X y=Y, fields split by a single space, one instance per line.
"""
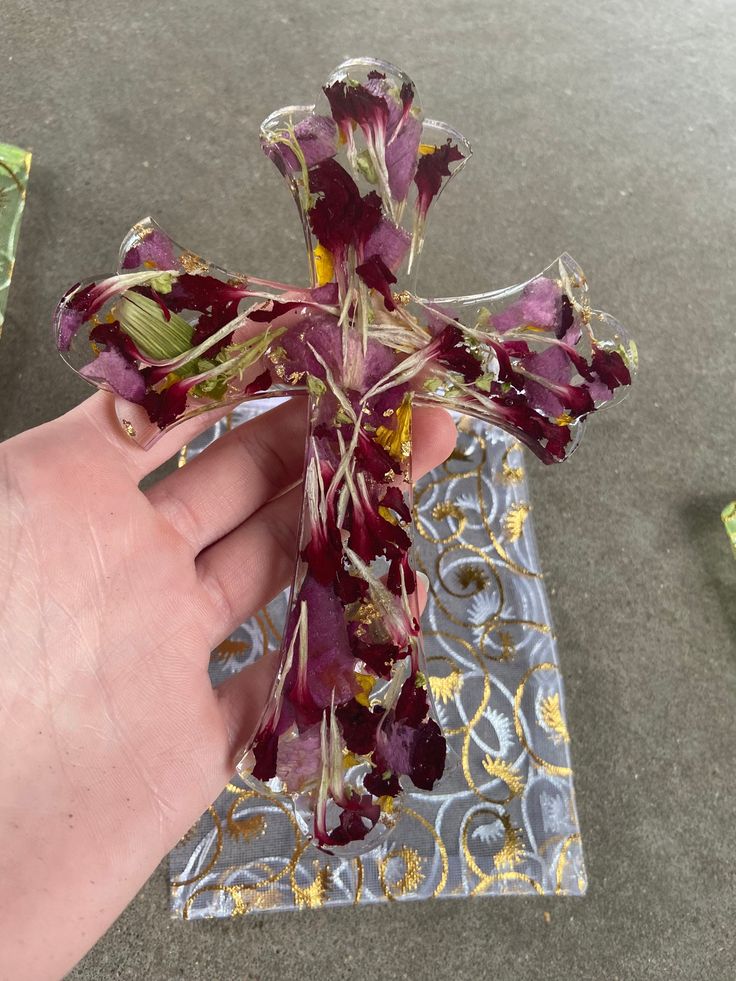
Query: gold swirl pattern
x=503 y=819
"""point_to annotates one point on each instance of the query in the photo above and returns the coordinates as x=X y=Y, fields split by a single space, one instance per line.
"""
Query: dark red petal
x=355 y=103
x=191 y=292
x=349 y=589
x=610 y=368
x=377 y=276
x=400 y=563
x=333 y=217
x=452 y=353
x=428 y=755
x=412 y=705
x=110 y=335
x=377 y=783
x=394 y=499
x=359 y=724
x=379 y=658
x=259 y=384
x=276 y=308
x=323 y=558
x=375 y=459
x=352 y=825
x=431 y=168
x=164 y=408
x=265 y=750
x=566 y=317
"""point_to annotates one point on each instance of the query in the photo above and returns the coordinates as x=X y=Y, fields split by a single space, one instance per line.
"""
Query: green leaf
x=163 y=283
x=365 y=166
x=316 y=386
x=484 y=317
x=142 y=319
x=433 y=384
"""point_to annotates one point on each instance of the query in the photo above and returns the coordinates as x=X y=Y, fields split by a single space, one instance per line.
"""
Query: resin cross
x=350 y=722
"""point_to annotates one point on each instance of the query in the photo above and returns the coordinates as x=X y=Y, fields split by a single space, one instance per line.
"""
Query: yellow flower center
x=397 y=440
x=323 y=264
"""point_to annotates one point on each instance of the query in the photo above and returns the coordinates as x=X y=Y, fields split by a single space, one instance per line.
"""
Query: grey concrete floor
x=603 y=128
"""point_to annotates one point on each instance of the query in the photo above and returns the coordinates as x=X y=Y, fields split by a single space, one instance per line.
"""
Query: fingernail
x=424 y=581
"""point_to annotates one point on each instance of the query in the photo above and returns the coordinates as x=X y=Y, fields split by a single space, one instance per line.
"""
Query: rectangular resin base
x=507 y=824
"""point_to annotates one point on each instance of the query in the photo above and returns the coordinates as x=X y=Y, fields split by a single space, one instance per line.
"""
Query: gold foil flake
x=142 y=231
x=550 y=718
x=128 y=427
x=240 y=282
x=182 y=458
x=401 y=298
x=514 y=519
x=193 y=264
x=367 y=613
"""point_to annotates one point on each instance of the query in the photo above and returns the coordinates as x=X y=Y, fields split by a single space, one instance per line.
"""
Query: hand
x=113 y=740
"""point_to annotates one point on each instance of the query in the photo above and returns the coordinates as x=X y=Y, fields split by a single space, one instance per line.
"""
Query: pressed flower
x=324 y=265
x=80 y=304
x=359 y=724
x=449 y=348
x=375 y=274
x=311 y=141
x=431 y=169
x=154 y=334
x=389 y=242
x=401 y=157
x=397 y=438
x=116 y=372
x=150 y=245
x=540 y=305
